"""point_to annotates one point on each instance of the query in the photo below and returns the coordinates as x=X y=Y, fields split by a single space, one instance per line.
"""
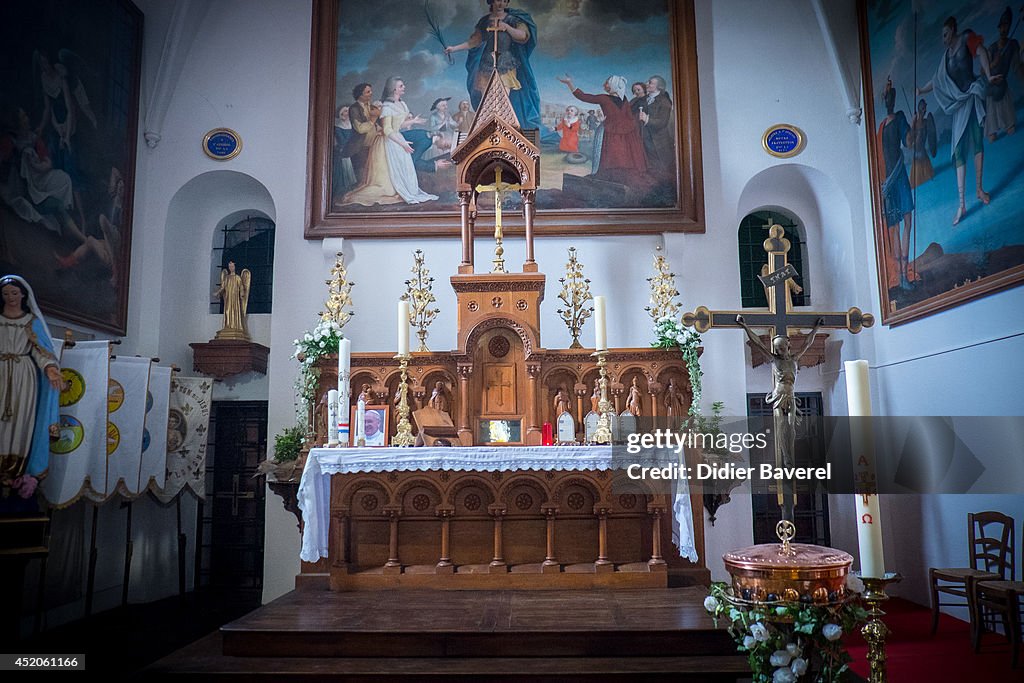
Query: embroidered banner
x=154 y=439
x=129 y=383
x=187 y=424
x=81 y=449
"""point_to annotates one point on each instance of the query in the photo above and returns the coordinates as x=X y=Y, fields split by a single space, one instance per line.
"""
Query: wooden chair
x=988 y=598
x=990 y=545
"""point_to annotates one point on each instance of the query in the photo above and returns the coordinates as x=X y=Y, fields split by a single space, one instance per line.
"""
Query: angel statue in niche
x=234 y=292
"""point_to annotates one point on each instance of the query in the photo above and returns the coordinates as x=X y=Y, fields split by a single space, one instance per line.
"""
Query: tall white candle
x=600 y=331
x=361 y=422
x=403 y=328
x=869 y=523
x=342 y=426
x=332 y=418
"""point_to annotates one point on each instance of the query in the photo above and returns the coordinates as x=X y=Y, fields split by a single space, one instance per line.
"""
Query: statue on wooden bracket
x=234 y=292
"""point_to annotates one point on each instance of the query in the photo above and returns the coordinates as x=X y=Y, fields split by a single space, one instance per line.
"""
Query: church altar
x=496 y=509
x=453 y=517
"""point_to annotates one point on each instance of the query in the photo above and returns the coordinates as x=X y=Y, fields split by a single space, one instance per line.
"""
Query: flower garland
x=787 y=640
x=309 y=349
x=670 y=334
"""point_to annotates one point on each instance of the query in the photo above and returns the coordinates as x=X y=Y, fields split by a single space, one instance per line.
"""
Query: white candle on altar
x=332 y=418
x=403 y=328
x=342 y=427
x=361 y=422
x=600 y=331
x=869 y=523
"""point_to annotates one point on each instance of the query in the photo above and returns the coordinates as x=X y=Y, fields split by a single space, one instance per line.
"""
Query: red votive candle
x=547 y=435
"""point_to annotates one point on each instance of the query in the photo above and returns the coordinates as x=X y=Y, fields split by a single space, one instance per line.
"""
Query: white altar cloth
x=315 y=486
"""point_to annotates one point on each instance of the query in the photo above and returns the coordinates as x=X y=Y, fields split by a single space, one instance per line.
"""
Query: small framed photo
x=377 y=420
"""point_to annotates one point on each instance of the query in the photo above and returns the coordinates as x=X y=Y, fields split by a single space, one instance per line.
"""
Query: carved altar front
x=545 y=517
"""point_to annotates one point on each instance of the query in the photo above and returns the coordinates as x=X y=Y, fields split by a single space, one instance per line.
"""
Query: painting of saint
x=943 y=84
x=449 y=52
x=68 y=114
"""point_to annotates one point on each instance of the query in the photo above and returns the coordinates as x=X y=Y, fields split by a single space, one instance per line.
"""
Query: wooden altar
x=456 y=529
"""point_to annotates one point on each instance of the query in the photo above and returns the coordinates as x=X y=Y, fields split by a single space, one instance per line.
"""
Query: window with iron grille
x=752 y=234
x=248 y=242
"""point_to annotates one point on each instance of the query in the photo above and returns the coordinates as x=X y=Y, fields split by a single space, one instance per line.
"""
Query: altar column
x=602 y=564
x=498 y=565
x=656 y=563
x=550 y=564
x=533 y=435
x=529 y=197
x=393 y=565
x=465 y=433
x=653 y=388
x=467 y=232
x=444 y=564
x=339 y=537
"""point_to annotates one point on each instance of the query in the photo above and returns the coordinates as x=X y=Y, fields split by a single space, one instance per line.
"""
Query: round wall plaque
x=783 y=140
x=222 y=144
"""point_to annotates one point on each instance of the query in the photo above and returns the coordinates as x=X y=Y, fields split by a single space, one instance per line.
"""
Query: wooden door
x=232 y=560
x=500 y=381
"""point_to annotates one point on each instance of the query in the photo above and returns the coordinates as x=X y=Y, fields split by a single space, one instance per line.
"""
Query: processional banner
x=187 y=423
x=154 y=438
x=129 y=384
x=81 y=449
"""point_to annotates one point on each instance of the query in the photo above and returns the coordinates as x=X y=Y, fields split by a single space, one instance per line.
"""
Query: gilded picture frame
x=347 y=50
x=70 y=99
x=947 y=213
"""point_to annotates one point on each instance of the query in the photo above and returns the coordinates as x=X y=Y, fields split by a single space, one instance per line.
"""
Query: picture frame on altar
x=930 y=257
x=70 y=90
x=577 y=196
x=378 y=417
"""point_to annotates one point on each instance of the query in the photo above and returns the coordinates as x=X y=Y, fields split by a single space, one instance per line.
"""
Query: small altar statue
x=561 y=402
x=595 y=397
x=634 y=402
x=439 y=399
x=673 y=400
x=234 y=292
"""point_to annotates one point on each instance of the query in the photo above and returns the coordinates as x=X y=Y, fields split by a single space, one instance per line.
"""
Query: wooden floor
x=593 y=635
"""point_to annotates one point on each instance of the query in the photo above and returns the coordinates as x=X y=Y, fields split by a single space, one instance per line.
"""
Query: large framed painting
x=944 y=88
x=69 y=94
x=610 y=88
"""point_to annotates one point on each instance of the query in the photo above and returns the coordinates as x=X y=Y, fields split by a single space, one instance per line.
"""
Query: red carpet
x=916 y=657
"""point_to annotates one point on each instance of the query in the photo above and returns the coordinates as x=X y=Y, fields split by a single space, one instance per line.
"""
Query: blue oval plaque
x=783 y=140
x=222 y=144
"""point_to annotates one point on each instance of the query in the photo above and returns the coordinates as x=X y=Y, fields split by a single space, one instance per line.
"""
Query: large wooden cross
x=499 y=188
x=779 y=319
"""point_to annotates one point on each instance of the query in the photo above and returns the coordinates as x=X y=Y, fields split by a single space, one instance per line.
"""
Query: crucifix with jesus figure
x=779 y=319
x=500 y=189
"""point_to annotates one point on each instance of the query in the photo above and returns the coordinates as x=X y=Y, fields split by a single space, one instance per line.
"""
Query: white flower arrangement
x=790 y=642
x=309 y=349
x=668 y=333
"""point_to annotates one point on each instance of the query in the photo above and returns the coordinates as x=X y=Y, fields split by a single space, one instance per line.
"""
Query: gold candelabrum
x=575 y=294
x=339 y=294
x=663 y=291
x=603 y=433
x=403 y=437
x=875 y=630
x=420 y=295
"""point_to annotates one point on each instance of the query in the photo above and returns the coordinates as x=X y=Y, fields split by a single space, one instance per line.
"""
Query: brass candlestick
x=875 y=630
x=575 y=294
x=403 y=437
x=603 y=433
x=418 y=291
